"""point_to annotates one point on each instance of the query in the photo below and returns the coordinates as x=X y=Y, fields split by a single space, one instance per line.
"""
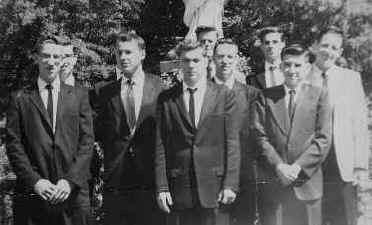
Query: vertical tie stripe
x=291 y=104
x=130 y=105
x=49 y=87
x=192 y=106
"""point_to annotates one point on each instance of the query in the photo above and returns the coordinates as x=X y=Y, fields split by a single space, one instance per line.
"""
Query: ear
x=143 y=54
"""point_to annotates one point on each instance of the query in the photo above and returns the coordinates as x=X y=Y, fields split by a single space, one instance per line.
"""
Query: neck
x=322 y=67
x=273 y=61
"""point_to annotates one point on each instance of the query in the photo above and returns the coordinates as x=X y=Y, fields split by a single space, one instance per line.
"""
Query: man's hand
x=165 y=201
x=286 y=174
x=226 y=196
x=45 y=189
x=62 y=193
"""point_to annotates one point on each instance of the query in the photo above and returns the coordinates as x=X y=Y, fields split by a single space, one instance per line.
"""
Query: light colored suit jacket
x=350 y=124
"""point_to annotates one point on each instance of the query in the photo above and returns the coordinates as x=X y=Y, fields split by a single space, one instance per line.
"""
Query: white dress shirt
x=275 y=77
x=138 y=79
x=228 y=83
x=201 y=87
x=55 y=93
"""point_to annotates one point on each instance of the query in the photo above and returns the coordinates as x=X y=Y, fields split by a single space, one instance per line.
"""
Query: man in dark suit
x=49 y=144
x=197 y=156
x=126 y=129
x=292 y=127
x=226 y=60
x=268 y=74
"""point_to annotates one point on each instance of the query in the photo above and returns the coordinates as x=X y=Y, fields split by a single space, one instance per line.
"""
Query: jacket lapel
x=147 y=99
x=118 y=106
x=65 y=98
x=208 y=102
x=303 y=102
x=279 y=109
x=180 y=104
x=261 y=80
x=35 y=98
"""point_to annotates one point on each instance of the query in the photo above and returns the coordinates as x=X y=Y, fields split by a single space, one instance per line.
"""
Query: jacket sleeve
x=16 y=145
x=160 y=154
x=264 y=147
x=232 y=120
x=311 y=158
x=79 y=171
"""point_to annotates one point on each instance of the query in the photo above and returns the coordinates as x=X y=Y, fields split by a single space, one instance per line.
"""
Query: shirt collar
x=201 y=85
x=228 y=83
x=297 y=89
x=55 y=83
x=268 y=65
x=138 y=76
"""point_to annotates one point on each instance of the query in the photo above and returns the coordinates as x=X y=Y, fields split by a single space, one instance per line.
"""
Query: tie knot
x=49 y=87
x=130 y=82
x=292 y=92
x=272 y=68
x=325 y=75
x=192 y=90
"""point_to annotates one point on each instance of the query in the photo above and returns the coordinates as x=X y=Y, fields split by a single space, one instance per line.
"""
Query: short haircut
x=125 y=36
x=331 y=30
x=204 y=29
x=295 y=50
x=226 y=41
x=187 y=45
x=51 y=39
x=268 y=30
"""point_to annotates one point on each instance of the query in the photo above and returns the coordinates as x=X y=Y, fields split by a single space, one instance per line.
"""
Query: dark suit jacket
x=113 y=132
x=304 y=142
x=35 y=152
x=214 y=145
x=257 y=80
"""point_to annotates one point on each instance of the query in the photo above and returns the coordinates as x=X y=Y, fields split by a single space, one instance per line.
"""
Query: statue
x=203 y=13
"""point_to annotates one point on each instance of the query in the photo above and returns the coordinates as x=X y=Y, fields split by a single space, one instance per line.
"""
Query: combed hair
x=52 y=39
x=125 y=36
x=187 y=45
x=331 y=30
x=227 y=41
x=268 y=30
x=295 y=50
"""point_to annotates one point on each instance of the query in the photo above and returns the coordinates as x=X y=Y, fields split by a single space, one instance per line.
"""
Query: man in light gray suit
x=346 y=166
x=292 y=129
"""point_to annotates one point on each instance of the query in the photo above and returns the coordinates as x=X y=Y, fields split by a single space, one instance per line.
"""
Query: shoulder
x=347 y=73
x=170 y=93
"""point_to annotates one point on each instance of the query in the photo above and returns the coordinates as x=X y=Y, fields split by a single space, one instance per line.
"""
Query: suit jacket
x=35 y=152
x=212 y=148
x=118 y=144
x=350 y=120
x=245 y=96
x=304 y=142
x=257 y=80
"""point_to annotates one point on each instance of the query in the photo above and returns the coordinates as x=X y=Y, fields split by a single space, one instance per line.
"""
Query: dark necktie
x=49 y=87
x=325 y=79
x=130 y=109
x=291 y=104
x=192 y=105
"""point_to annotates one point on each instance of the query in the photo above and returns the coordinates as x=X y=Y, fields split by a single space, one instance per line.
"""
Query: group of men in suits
x=206 y=151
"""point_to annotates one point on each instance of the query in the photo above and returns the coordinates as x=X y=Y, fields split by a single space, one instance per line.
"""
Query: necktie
x=49 y=87
x=291 y=104
x=130 y=109
x=325 y=79
x=192 y=105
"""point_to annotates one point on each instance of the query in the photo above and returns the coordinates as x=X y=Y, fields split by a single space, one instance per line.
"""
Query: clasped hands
x=287 y=173
x=53 y=193
x=164 y=199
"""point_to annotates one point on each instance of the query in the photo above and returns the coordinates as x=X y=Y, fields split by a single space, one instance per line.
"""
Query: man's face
x=208 y=40
x=193 y=65
x=328 y=50
x=294 y=69
x=272 y=46
x=69 y=61
x=129 y=56
x=226 y=59
x=49 y=59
